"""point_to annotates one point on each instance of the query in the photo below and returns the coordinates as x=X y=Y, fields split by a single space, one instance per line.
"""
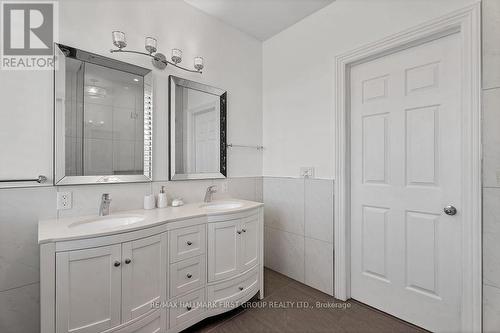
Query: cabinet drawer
x=187 y=275
x=187 y=307
x=187 y=242
x=233 y=290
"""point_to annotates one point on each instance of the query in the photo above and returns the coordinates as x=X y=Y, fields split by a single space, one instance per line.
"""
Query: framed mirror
x=197 y=130
x=103 y=119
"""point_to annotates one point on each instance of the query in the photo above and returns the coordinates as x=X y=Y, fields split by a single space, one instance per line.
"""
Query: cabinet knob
x=188 y=308
x=128 y=261
x=238 y=231
x=189 y=275
x=241 y=288
x=189 y=243
x=244 y=230
x=116 y=263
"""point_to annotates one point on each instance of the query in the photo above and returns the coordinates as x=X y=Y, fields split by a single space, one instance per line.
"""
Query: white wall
x=233 y=62
x=299 y=75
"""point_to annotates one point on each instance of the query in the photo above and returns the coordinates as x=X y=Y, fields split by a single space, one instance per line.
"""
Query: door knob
x=450 y=210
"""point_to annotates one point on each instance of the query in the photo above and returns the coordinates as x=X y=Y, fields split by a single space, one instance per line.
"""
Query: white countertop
x=55 y=230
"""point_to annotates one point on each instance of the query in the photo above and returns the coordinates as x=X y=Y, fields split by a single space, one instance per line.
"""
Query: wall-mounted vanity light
x=158 y=59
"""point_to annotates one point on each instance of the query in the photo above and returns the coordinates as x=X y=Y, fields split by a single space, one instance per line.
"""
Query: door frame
x=467 y=23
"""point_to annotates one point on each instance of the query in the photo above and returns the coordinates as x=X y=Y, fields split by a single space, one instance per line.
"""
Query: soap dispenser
x=162 y=198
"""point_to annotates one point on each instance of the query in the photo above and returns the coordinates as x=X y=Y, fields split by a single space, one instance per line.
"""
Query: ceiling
x=261 y=19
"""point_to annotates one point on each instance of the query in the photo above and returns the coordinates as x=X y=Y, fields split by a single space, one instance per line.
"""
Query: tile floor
x=351 y=316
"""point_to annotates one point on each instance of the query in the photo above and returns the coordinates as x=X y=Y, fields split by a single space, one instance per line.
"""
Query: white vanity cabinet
x=233 y=244
x=100 y=288
x=162 y=277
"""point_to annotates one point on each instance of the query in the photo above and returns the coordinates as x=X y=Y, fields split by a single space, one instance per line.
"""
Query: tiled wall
x=21 y=208
x=298 y=234
x=491 y=165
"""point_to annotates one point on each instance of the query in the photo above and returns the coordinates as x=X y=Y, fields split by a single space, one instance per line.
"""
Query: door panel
x=249 y=242
x=405 y=136
x=88 y=289
x=143 y=275
x=223 y=249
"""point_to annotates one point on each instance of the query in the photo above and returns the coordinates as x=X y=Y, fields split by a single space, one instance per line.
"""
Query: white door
x=88 y=289
x=223 y=249
x=249 y=242
x=405 y=168
x=143 y=275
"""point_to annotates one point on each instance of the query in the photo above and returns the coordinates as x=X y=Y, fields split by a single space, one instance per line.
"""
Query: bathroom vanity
x=161 y=270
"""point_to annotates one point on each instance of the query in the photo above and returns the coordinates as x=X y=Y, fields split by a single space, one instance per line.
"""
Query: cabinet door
x=223 y=249
x=143 y=275
x=88 y=289
x=249 y=242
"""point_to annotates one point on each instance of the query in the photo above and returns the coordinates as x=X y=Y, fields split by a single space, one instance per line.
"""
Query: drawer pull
x=189 y=275
x=128 y=261
x=117 y=263
x=241 y=288
x=188 y=308
x=189 y=243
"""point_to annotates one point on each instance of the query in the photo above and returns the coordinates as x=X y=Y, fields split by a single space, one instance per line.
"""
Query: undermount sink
x=221 y=205
x=105 y=222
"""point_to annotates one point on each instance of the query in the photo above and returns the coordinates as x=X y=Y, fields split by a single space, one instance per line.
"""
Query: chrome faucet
x=105 y=203
x=210 y=192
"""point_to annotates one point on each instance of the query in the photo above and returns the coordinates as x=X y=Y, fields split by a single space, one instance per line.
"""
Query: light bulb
x=119 y=39
x=198 y=63
x=176 y=56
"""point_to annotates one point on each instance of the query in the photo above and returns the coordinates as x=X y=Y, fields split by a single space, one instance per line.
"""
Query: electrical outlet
x=64 y=200
x=224 y=187
x=307 y=172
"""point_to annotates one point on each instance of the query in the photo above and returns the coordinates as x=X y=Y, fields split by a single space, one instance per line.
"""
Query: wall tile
x=259 y=189
x=319 y=265
x=491 y=309
x=86 y=198
x=491 y=137
x=319 y=209
x=20 y=210
x=242 y=188
x=491 y=236
x=284 y=204
x=284 y=253
x=491 y=46
x=20 y=310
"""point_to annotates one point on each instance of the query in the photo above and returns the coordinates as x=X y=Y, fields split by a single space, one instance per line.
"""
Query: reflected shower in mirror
x=197 y=130
x=106 y=107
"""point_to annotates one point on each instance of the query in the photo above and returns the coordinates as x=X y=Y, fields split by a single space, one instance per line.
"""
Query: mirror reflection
x=196 y=130
x=107 y=121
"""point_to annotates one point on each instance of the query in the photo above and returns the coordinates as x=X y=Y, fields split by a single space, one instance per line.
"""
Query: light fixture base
x=158 y=61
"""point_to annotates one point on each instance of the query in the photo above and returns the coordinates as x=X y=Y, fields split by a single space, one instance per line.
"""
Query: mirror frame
x=177 y=81
x=62 y=52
